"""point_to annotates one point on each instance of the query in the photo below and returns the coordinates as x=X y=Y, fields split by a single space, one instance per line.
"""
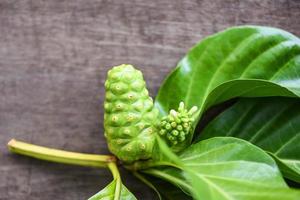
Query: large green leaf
x=270 y=123
x=247 y=61
x=224 y=168
x=108 y=193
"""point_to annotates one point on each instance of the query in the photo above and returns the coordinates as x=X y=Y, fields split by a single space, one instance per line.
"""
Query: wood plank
x=54 y=56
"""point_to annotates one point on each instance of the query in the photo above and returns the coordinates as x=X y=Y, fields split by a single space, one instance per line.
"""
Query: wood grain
x=53 y=61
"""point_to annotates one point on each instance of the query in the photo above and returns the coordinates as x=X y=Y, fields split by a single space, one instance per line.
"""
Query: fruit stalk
x=60 y=156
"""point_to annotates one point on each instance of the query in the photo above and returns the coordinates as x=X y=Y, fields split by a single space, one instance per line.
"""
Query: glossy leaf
x=224 y=168
x=270 y=123
x=246 y=61
x=108 y=193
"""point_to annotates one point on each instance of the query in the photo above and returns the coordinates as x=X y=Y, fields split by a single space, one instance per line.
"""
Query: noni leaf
x=245 y=61
x=108 y=193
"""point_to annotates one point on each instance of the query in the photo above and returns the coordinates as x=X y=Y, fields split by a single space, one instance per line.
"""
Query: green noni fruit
x=176 y=127
x=130 y=117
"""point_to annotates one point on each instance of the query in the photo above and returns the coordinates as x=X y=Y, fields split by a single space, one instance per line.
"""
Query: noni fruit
x=130 y=117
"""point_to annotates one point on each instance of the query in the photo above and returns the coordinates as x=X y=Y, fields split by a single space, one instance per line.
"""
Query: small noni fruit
x=176 y=127
x=130 y=117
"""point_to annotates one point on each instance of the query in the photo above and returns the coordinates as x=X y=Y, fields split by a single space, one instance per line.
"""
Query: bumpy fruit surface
x=130 y=117
x=177 y=126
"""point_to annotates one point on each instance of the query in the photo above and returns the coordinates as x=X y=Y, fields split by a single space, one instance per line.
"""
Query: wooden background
x=53 y=60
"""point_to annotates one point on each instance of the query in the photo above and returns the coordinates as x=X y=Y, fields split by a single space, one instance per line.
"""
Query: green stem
x=115 y=172
x=169 y=178
x=148 y=183
x=60 y=156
